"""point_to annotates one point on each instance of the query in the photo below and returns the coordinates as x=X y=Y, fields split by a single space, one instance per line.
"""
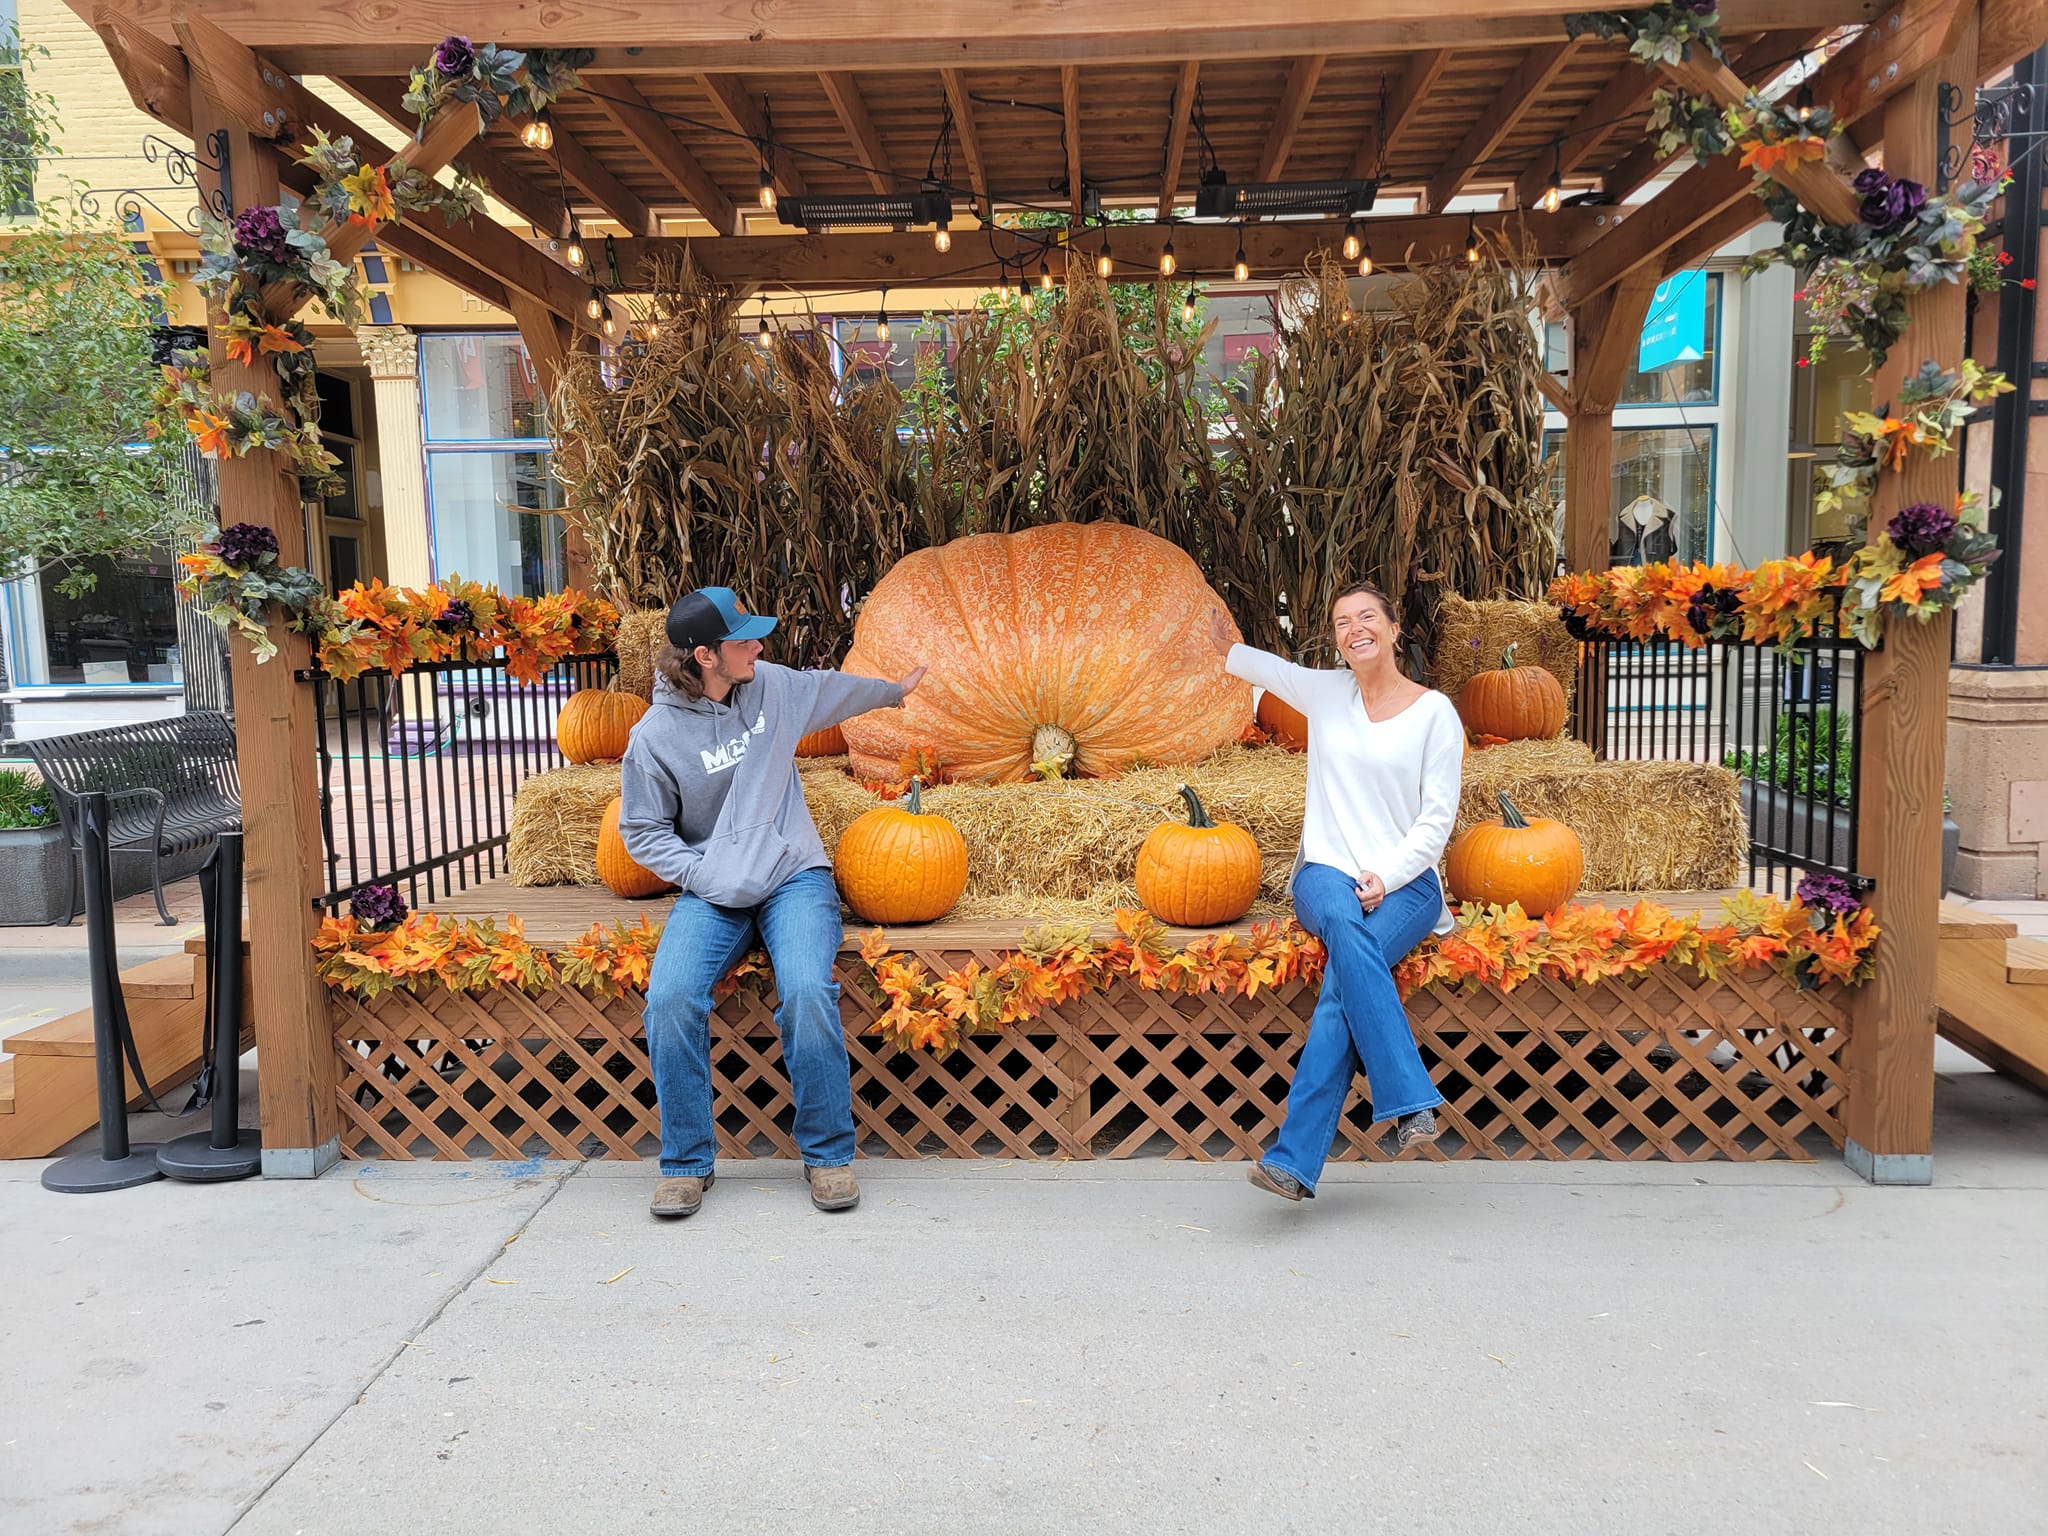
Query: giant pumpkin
x=1083 y=645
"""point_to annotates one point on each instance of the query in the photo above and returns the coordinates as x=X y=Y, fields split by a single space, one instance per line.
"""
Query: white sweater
x=1382 y=795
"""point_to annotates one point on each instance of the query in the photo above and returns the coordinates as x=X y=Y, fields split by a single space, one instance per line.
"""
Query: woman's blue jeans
x=1359 y=1021
x=799 y=926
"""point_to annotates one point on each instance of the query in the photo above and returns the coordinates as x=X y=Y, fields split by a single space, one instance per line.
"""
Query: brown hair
x=1366 y=589
x=681 y=670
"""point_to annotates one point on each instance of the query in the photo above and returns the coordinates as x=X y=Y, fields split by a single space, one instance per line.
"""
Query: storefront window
x=1683 y=383
x=124 y=630
x=1662 y=506
x=490 y=491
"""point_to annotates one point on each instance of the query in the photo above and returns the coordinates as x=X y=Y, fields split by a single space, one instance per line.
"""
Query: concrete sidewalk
x=1131 y=1347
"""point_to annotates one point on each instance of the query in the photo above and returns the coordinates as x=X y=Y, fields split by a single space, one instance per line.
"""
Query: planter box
x=1781 y=820
x=32 y=875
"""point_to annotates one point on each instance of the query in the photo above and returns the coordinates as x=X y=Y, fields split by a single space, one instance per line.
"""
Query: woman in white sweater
x=1385 y=756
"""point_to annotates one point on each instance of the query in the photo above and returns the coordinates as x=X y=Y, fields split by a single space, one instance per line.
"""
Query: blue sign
x=1675 y=330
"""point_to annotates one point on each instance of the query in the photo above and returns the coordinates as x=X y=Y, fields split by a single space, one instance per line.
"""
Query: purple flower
x=245 y=544
x=456 y=616
x=378 y=905
x=1922 y=528
x=260 y=235
x=1830 y=895
x=454 y=58
x=1888 y=203
x=1703 y=7
x=1872 y=180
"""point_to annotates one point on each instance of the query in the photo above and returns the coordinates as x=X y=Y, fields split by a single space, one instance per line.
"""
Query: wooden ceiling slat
x=958 y=99
x=1417 y=81
x=1177 y=134
x=1294 y=100
x=652 y=137
x=743 y=114
x=852 y=108
x=1070 y=114
x=1531 y=79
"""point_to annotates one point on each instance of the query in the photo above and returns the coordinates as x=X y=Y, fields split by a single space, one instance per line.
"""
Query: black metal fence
x=1789 y=725
x=418 y=772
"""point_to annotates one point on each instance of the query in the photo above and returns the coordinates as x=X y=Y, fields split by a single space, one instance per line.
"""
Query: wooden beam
x=1731 y=223
x=1604 y=336
x=955 y=85
x=590 y=176
x=250 y=91
x=652 y=137
x=1622 y=97
x=843 y=91
x=1856 y=82
x=510 y=186
x=1557 y=391
x=405 y=240
x=1177 y=134
x=1497 y=119
x=809 y=35
x=1759 y=63
x=1417 y=81
x=1070 y=118
x=1902 y=728
x=1272 y=249
x=1818 y=187
x=1302 y=79
x=153 y=70
x=745 y=115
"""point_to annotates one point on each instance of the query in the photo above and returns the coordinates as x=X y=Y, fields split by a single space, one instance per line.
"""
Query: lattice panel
x=1670 y=1067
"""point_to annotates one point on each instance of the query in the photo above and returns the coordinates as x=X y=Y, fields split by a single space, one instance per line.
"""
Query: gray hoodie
x=711 y=800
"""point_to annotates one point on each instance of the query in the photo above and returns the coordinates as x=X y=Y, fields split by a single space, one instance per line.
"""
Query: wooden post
x=548 y=341
x=1889 y=1117
x=276 y=743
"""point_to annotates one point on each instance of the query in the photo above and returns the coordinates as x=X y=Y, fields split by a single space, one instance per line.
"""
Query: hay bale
x=555 y=817
x=1646 y=826
x=1471 y=636
x=642 y=632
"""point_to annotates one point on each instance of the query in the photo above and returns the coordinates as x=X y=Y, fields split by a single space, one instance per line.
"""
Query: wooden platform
x=559 y=914
x=1994 y=992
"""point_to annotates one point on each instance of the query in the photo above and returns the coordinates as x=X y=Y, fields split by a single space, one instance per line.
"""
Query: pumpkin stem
x=1509 y=816
x=916 y=800
x=1507 y=657
x=1197 y=817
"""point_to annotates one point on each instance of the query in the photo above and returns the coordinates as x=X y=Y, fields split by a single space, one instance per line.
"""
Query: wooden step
x=2002 y=1025
x=174 y=976
x=6 y=1085
x=2026 y=962
x=1961 y=922
x=173 y=979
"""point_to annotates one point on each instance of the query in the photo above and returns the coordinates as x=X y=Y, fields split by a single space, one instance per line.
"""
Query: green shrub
x=1810 y=755
x=24 y=802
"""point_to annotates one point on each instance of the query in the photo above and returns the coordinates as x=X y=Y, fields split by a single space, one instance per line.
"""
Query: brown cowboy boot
x=833 y=1189
x=680 y=1196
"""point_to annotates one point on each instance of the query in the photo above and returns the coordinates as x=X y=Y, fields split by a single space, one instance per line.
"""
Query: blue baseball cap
x=713 y=614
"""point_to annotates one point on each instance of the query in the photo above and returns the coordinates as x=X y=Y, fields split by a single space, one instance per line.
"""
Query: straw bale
x=641 y=633
x=1646 y=826
x=555 y=818
x=1471 y=636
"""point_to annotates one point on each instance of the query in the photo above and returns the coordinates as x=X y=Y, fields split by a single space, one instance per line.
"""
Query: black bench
x=171 y=785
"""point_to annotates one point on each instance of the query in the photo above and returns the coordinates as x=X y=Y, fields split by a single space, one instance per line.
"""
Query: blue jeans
x=1359 y=1021
x=799 y=925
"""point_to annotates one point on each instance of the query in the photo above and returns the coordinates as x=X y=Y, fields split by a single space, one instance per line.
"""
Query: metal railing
x=1789 y=725
x=418 y=772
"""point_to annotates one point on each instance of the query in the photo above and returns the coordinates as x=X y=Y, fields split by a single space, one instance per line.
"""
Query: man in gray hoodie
x=711 y=803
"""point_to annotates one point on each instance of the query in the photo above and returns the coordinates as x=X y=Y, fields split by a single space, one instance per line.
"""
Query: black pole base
x=90 y=1174
x=196 y=1161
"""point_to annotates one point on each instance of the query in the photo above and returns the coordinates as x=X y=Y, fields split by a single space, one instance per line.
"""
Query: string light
x=942 y=239
x=767 y=184
x=1167 y=263
x=1803 y=104
x=611 y=322
x=1553 y=194
x=654 y=330
x=1104 y=263
x=1240 y=269
x=1365 y=261
x=1024 y=296
x=1045 y=277
x=539 y=132
x=766 y=337
x=1347 y=312
x=1002 y=284
x=594 y=306
x=1352 y=245
x=1187 y=308
x=1471 y=242
x=575 y=250
x=882 y=318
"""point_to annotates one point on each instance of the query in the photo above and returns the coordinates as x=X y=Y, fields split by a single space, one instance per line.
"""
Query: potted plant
x=1797 y=795
x=33 y=857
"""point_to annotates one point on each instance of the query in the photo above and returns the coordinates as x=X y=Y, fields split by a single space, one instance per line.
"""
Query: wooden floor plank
x=2026 y=962
x=1962 y=922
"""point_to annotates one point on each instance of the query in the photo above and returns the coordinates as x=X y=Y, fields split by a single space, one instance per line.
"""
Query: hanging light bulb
x=1803 y=104
x=611 y=322
x=1187 y=308
x=1045 y=277
x=539 y=132
x=654 y=330
x=1104 y=263
x=1471 y=243
x=767 y=185
x=1553 y=194
x=1365 y=262
x=1002 y=285
x=942 y=239
x=882 y=318
x=575 y=250
x=1240 y=269
x=1024 y=296
x=762 y=334
x=1351 y=241
x=1167 y=261
x=1347 y=312
x=594 y=305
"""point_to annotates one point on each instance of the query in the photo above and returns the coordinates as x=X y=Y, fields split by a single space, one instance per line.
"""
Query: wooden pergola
x=1061 y=104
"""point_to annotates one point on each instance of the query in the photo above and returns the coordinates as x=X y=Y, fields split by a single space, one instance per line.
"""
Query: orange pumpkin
x=1200 y=874
x=830 y=742
x=618 y=869
x=596 y=723
x=1280 y=720
x=899 y=865
x=1515 y=702
x=1078 y=644
x=1510 y=859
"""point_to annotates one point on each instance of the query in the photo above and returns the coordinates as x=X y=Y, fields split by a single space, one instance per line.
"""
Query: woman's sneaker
x=1416 y=1130
x=1276 y=1181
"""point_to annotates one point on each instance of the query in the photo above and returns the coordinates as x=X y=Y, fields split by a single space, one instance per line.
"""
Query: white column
x=392 y=353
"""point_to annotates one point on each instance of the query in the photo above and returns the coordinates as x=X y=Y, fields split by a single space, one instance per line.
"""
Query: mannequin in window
x=1642 y=533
